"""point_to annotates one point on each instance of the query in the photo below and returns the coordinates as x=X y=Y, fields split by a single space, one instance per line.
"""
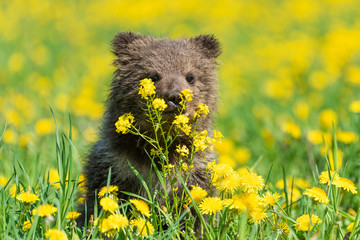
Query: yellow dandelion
x=269 y=199
x=211 y=205
x=355 y=106
x=27 y=197
x=44 y=210
x=201 y=111
x=350 y=227
x=72 y=215
x=197 y=193
x=109 y=204
x=257 y=215
x=292 y=129
x=111 y=190
x=141 y=206
x=144 y=227
x=237 y=203
x=303 y=222
x=3 y=181
x=317 y=194
x=251 y=200
x=147 y=88
x=106 y=228
x=182 y=150
x=325 y=179
x=45 y=126
x=318 y=137
x=113 y=224
x=159 y=104
x=54 y=178
x=252 y=182
x=327 y=118
x=26 y=225
x=124 y=123
x=55 y=234
x=282 y=230
x=346 y=137
x=229 y=184
x=345 y=184
x=186 y=95
x=219 y=171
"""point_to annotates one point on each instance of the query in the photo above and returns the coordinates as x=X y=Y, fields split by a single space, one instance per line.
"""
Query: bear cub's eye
x=155 y=77
x=190 y=78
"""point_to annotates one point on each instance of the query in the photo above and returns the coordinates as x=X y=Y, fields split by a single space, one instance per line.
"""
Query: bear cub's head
x=172 y=64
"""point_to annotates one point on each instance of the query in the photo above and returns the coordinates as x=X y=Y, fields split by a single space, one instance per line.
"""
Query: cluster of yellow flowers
x=115 y=221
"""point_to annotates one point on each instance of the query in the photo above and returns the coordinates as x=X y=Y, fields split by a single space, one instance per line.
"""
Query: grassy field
x=289 y=110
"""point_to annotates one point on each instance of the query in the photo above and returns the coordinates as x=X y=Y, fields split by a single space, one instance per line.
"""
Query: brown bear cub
x=173 y=65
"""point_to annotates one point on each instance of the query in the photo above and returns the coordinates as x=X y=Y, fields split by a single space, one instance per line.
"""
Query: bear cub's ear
x=121 y=40
x=208 y=45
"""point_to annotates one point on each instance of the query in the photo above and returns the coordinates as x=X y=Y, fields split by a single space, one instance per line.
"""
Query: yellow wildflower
x=124 y=123
x=211 y=205
x=345 y=184
x=292 y=129
x=219 y=171
x=182 y=150
x=217 y=136
x=55 y=234
x=187 y=167
x=72 y=215
x=318 y=137
x=44 y=210
x=201 y=111
x=324 y=177
x=282 y=229
x=197 y=193
x=202 y=141
x=26 y=225
x=327 y=118
x=237 y=203
x=109 y=204
x=45 y=126
x=141 y=206
x=111 y=190
x=186 y=95
x=147 y=88
x=54 y=178
x=229 y=184
x=269 y=199
x=251 y=182
x=3 y=181
x=242 y=155
x=180 y=122
x=144 y=227
x=317 y=194
x=257 y=215
x=303 y=222
x=350 y=227
x=27 y=197
x=346 y=137
x=113 y=224
x=159 y=104
x=355 y=106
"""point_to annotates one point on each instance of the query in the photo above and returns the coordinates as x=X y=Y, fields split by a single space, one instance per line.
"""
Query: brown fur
x=140 y=57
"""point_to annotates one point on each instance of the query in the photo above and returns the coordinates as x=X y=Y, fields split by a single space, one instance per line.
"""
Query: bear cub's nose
x=173 y=101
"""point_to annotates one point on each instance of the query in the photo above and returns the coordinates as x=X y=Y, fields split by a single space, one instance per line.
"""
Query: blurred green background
x=289 y=71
